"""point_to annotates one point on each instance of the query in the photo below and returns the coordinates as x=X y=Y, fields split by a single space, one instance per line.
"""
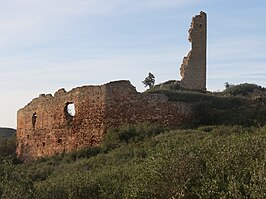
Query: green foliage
x=7 y=132
x=169 y=85
x=193 y=96
x=13 y=182
x=129 y=133
x=75 y=185
x=8 y=147
x=242 y=89
x=149 y=80
x=207 y=162
x=215 y=108
x=85 y=153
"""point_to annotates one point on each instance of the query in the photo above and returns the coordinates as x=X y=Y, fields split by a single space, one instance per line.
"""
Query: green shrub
x=75 y=185
x=129 y=133
x=220 y=108
x=85 y=153
x=207 y=162
x=8 y=148
x=7 y=132
x=242 y=89
x=169 y=85
x=13 y=181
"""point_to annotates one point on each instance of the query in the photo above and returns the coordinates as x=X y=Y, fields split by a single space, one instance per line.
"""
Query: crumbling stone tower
x=193 y=68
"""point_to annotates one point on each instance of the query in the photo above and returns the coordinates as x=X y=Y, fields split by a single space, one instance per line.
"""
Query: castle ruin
x=193 y=68
x=45 y=126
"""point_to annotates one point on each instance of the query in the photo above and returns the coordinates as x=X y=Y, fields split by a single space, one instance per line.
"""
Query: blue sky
x=51 y=44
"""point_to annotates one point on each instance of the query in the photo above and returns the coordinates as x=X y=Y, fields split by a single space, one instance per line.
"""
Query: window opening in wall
x=59 y=141
x=34 y=119
x=71 y=109
x=70 y=112
x=43 y=143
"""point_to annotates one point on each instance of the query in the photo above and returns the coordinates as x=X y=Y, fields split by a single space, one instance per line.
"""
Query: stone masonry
x=193 y=68
x=45 y=127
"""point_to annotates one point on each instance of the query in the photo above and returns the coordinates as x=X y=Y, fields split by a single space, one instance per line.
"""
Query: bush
x=8 y=147
x=220 y=108
x=129 y=133
x=13 y=181
x=242 y=89
x=76 y=185
x=207 y=162
x=169 y=85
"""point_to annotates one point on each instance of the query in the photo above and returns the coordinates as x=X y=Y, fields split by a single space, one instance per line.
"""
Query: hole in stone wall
x=70 y=112
x=59 y=141
x=43 y=143
x=34 y=119
x=71 y=109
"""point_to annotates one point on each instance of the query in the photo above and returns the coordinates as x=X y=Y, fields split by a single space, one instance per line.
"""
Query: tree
x=227 y=85
x=149 y=80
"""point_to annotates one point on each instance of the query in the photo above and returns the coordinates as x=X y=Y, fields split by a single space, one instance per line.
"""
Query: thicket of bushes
x=207 y=162
x=230 y=107
x=242 y=89
x=8 y=147
x=7 y=132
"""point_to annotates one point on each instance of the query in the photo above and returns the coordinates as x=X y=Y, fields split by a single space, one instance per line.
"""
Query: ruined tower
x=46 y=127
x=193 y=68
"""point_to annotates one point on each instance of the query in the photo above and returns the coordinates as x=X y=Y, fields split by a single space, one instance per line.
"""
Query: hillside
x=150 y=162
x=7 y=132
x=243 y=104
x=219 y=154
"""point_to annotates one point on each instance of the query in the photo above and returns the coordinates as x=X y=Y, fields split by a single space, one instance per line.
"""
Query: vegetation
x=207 y=162
x=7 y=132
x=242 y=104
x=220 y=155
x=149 y=80
x=242 y=89
x=8 y=147
x=169 y=85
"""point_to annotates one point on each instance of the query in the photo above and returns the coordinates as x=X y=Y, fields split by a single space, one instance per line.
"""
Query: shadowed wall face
x=193 y=68
x=46 y=127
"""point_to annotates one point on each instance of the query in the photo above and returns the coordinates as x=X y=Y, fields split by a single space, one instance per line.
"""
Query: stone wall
x=193 y=68
x=45 y=128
